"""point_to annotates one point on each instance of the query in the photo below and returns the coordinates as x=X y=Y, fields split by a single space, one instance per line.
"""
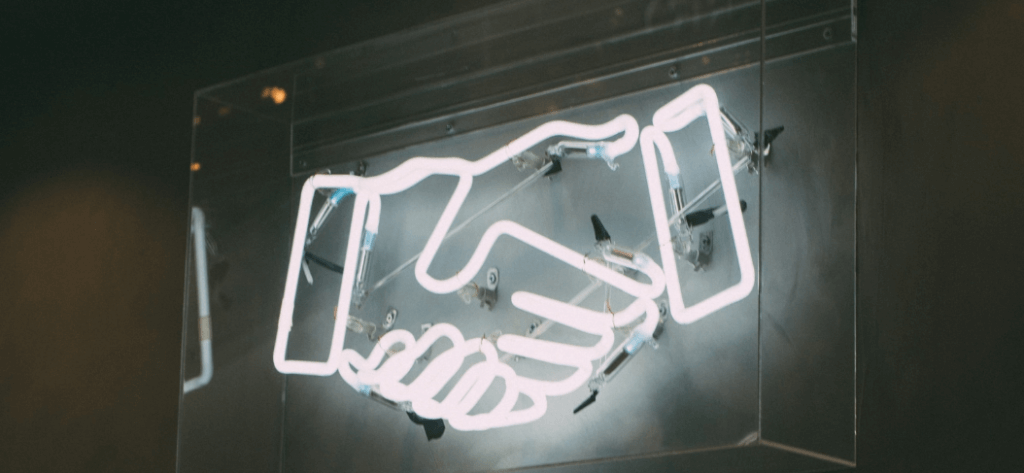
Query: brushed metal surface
x=699 y=389
x=777 y=365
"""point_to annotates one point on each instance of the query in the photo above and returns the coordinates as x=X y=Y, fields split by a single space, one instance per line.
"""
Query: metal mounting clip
x=487 y=295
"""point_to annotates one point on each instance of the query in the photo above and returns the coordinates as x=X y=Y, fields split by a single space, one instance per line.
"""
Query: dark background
x=95 y=114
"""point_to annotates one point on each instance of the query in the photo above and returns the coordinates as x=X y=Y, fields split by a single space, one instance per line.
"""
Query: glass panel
x=720 y=384
x=808 y=232
x=240 y=187
x=562 y=296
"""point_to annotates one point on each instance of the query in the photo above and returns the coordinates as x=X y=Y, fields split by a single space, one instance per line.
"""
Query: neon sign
x=380 y=374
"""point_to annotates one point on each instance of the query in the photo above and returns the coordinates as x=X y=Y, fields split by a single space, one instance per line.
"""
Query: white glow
x=698 y=101
x=408 y=174
x=383 y=373
x=203 y=297
x=546 y=245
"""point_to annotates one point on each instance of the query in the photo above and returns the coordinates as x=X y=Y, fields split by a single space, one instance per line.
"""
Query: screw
x=389 y=318
x=827 y=33
x=673 y=73
x=449 y=128
x=492 y=278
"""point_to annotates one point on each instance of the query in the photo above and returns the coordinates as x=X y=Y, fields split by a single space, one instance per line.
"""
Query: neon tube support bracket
x=487 y=294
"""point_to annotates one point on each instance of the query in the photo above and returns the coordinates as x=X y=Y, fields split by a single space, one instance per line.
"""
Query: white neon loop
x=680 y=112
x=542 y=243
x=406 y=175
x=384 y=373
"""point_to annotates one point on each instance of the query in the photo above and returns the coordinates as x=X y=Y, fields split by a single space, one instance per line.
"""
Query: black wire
x=325 y=263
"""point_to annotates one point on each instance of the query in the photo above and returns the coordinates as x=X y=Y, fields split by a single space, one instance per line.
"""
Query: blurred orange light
x=277 y=94
x=195 y=166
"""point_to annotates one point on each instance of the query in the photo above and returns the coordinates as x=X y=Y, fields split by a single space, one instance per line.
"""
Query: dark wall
x=94 y=152
x=941 y=263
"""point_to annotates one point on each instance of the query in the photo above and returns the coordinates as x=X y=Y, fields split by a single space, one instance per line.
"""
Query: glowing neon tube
x=465 y=223
x=368 y=191
x=419 y=394
x=699 y=100
x=378 y=376
x=547 y=324
x=374 y=374
x=542 y=243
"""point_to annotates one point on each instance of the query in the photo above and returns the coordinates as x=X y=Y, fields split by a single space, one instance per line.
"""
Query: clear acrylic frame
x=751 y=364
